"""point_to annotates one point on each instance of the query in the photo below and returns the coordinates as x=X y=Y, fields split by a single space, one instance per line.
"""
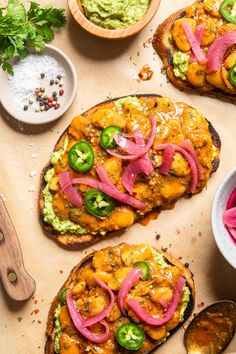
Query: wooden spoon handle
x=16 y=281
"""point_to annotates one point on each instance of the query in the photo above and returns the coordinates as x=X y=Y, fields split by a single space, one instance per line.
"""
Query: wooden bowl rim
x=109 y=33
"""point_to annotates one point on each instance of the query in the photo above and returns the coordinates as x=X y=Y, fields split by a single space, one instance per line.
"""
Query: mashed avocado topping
x=185 y=301
x=114 y=14
x=57 y=328
x=181 y=64
x=215 y=152
x=159 y=259
x=56 y=155
x=129 y=100
x=49 y=214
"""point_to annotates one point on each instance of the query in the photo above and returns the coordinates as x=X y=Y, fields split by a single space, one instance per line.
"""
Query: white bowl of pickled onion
x=224 y=241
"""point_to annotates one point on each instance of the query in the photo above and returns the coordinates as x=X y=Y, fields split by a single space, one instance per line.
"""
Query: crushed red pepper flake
x=35 y=302
x=145 y=73
x=36 y=311
x=200 y=305
x=61 y=271
x=177 y=231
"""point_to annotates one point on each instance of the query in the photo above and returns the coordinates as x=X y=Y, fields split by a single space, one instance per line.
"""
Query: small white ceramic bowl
x=69 y=87
x=222 y=238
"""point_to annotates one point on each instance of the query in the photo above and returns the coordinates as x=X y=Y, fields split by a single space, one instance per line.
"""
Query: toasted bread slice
x=75 y=241
x=165 y=50
x=151 y=344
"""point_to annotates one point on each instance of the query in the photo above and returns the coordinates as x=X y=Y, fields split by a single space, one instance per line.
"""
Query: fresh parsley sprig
x=22 y=30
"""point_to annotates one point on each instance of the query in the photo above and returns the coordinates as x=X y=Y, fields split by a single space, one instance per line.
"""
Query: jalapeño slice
x=107 y=140
x=63 y=296
x=232 y=75
x=228 y=10
x=81 y=156
x=98 y=203
x=144 y=268
x=130 y=336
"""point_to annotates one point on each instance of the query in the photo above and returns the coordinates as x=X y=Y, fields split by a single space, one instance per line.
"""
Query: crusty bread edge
x=73 y=241
x=50 y=343
x=165 y=50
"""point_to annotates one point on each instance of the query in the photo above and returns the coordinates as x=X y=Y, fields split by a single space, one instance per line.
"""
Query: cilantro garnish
x=22 y=30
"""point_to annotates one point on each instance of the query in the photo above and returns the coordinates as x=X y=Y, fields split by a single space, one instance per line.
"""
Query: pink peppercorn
x=61 y=92
x=57 y=105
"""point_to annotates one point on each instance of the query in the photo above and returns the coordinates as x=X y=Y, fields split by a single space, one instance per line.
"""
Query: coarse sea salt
x=27 y=76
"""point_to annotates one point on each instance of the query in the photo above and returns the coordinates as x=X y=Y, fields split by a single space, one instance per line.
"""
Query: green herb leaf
x=22 y=31
x=16 y=9
x=46 y=33
x=7 y=67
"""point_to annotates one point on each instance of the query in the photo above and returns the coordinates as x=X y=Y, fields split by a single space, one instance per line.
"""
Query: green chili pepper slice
x=130 y=336
x=107 y=140
x=63 y=295
x=144 y=268
x=81 y=156
x=232 y=75
x=228 y=10
x=98 y=203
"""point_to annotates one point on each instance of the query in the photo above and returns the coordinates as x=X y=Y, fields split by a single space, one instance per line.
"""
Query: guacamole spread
x=114 y=14
x=57 y=329
x=181 y=64
x=49 y=214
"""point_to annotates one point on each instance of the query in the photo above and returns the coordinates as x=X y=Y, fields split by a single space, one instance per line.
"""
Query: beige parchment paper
x=107 y=69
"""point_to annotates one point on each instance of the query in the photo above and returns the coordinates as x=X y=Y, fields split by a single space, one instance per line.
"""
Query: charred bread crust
x=50 y=344
x=74 y=241
x=165 y=50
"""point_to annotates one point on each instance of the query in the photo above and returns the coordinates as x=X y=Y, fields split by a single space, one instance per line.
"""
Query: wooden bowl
x=77 y=12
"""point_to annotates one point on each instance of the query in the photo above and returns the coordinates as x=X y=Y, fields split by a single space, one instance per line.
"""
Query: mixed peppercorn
x=46 y=101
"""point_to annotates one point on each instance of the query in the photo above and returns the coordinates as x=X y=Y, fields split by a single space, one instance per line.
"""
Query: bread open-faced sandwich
x=119 y=161
x=123 y=299
x=198 y=48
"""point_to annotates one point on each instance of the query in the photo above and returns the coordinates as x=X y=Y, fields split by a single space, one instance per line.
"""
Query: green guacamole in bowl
x=114 y=14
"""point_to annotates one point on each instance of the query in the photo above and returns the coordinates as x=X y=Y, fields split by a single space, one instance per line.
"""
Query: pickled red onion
x=141 y=165
x=71 y=193
x=163 y=303
x=231 y=203
x=215 y=54
x=127 y=284
x=102 y=174
x=168 y=155
x=132 y=148
x=188 y=147
x=199 y=31
x=78 y=321
x=189 y=158
x=95 y=319
x=112 y=191
x=194 y=43
x=154 y=321
x=229 y=215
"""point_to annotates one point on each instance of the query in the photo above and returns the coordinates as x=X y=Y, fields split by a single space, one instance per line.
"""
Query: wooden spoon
x=16 y=281
x=212 y=329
